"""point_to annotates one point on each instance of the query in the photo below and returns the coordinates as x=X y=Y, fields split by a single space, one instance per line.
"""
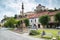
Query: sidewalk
x=26 y=35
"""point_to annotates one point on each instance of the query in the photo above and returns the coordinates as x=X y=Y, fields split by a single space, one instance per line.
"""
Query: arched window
x=31 y=20
x=35 y=20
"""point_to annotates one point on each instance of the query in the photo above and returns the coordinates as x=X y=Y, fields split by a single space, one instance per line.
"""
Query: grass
x=54 y=32
x=11 y=29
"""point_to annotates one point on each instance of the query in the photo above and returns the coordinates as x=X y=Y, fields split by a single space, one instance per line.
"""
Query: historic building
x=40 y=8
x=33 y=19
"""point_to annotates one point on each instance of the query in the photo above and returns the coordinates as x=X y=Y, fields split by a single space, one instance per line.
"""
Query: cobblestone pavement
x=9 y=35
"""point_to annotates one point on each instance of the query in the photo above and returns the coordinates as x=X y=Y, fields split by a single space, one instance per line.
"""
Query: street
x=9 y=35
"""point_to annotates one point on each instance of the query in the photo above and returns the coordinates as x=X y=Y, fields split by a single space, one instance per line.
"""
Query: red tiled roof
x=36 y=15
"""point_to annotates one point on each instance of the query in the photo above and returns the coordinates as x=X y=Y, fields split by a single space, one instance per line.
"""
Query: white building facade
x=34 y=23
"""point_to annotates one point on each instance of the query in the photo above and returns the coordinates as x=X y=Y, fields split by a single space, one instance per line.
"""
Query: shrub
x=26 y=22
x=34 y=32
x=58 y=37
x=10 y=23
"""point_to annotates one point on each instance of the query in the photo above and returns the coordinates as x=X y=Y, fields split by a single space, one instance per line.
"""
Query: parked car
x=58 y=27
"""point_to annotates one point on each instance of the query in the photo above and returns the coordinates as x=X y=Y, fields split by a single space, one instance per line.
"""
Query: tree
x=59 y=9
x=57 y=17
x=51 y=10
x=55 y=9
x=18 y=23
x=26 y=22
x=15 y=16
x=10 y=23
x=44 y=20
x=0 y=24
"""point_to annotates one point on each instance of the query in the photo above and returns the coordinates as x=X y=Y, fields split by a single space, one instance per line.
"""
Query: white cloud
x=15 y=5
x=28 y=4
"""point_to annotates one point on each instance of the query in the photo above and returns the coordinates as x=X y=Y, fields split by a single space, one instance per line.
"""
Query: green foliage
x=10 y=23
x=15 y=16
x=57 y=17
x=55 y=9
x=54 y=33
x=51 y=10
x=47 y=37
x=44 y=19
x=34 y=32
x=58 y=37
x=0 y=24
x=26 y=22
x=18 y=23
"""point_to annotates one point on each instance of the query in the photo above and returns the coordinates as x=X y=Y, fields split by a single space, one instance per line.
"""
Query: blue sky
x=12 y=7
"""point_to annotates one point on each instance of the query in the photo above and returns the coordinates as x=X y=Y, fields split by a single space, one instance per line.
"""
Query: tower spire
x=22 y=5
x=22 y=9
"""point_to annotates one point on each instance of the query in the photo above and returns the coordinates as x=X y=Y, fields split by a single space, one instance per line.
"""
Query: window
x=31 y=20
x=35 y=20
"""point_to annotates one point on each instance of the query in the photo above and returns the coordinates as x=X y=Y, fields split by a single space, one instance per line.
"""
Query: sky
x=12 y=7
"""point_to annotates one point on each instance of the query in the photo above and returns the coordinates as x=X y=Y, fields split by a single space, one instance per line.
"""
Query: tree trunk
x=43 y=26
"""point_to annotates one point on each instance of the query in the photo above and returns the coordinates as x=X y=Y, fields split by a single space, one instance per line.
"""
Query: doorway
x=38 y=25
